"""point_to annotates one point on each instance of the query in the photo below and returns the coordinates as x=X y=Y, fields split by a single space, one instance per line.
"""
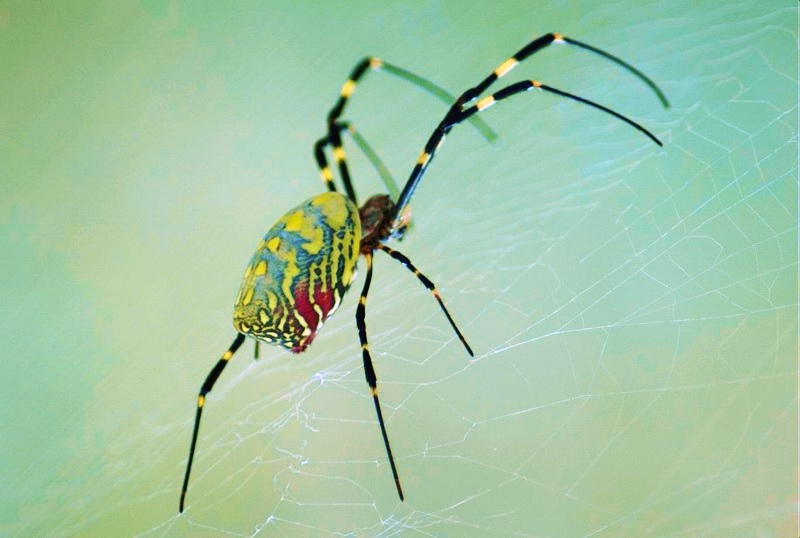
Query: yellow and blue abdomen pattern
x=300 y=272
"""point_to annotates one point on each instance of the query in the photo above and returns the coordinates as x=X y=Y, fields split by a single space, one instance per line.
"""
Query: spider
x=306 y=262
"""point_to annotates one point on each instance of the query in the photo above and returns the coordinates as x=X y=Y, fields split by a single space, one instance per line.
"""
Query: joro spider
x=306 y=262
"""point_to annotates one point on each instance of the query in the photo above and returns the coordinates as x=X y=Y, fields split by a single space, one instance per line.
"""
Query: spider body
x=299 y=272
x=307 y=261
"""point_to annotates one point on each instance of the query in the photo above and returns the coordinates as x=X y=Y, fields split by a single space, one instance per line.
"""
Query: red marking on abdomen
x=324 y=299
x=305 y=307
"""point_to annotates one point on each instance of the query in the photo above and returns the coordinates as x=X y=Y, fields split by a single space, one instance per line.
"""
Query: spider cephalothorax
x=378 y=223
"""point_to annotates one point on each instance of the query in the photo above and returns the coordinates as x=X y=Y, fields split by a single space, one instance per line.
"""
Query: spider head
x=376 y=222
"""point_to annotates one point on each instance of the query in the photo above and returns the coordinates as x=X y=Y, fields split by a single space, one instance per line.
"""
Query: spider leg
x=369 y=370
x=619 y=61
x=376 y=64
x=333 y=137
x=364 y=146
x=458 y=113
x=548 y=39
x=431 y=286
x=213 y=375
x=325 y=170
x=528 y=85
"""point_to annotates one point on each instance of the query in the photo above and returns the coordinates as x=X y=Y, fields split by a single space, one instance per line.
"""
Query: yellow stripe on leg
x=485 y=103
x=348 y=88
x=327 y=175
x=505 y=67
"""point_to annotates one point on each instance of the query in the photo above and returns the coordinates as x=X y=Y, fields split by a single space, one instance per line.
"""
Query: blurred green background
x=633 y=308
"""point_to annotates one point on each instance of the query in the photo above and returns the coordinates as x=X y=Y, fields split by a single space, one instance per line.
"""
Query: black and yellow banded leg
x=528 y=85
x=451 y=120
x=340 y=159
x=454 y=118
x=369 y=370
x=376 y=64
x=399 y=256
x=213 y=375
x=365 y=147
x=322 y=163
x=458 y=113
x=334 y=139
x=541 y=42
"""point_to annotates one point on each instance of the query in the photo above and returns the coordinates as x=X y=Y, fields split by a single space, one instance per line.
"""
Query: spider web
x=633 y=309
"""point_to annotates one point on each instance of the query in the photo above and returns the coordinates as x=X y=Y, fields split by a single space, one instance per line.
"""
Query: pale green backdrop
x=633 y=309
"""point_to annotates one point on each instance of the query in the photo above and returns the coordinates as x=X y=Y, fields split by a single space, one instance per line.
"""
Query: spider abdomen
x=299 y=272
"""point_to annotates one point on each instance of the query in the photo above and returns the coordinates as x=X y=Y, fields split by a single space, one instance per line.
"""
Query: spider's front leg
x=458 y=113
